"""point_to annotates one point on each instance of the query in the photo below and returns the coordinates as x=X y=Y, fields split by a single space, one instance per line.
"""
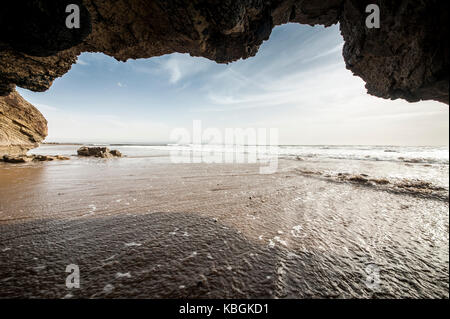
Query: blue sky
x=297 y=83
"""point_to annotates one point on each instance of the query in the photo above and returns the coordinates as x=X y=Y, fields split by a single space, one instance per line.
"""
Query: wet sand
x=141 y=228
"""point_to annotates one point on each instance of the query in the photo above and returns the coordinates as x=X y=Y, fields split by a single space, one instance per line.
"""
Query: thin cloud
x=181 y=66
x=81 y=62
x=45 y=107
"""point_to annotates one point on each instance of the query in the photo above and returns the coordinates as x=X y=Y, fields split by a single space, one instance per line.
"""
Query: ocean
x=421 y=163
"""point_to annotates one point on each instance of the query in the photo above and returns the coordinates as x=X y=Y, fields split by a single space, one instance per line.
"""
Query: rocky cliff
x=407 y=57
x=22 y=126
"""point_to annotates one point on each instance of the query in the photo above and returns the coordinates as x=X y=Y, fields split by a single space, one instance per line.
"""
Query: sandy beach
x=147 y=228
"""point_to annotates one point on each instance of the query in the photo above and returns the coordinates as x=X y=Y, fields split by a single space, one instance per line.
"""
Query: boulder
x=17 y=159
x=102 y=152
x=116 y=153
x=48 y=158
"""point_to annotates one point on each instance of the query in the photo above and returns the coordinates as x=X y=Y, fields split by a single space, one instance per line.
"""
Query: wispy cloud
x=286 y=75
x=336 y=49
x=174 y=67
x=45 y=107
x=81 y=61
x=180 y=66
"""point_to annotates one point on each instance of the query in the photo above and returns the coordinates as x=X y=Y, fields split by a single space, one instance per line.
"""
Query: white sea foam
x=426 y=154
x=132 y=244
x=108 y=288
x=296 y=230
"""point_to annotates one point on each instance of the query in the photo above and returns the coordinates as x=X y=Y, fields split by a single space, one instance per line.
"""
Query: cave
x=406 y=58
x=348 y=209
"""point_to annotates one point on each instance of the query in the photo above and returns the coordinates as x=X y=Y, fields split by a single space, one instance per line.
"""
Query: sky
x=296 y=83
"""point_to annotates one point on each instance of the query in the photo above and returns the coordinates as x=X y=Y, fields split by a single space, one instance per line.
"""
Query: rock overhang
x=407 y=57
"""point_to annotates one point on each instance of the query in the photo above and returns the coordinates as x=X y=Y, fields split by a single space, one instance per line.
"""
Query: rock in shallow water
x=17 y=159
x=102 y=152
x=116 y=153
x=29 y=158
x=47 y=158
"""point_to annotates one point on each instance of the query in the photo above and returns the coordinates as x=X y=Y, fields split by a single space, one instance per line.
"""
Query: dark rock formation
x=29 y=158
x=22 y=126
x=17 y=159
x=406 y=58
x=49 y=158
x=116 y=153
x=38 y=28
x=102 y=152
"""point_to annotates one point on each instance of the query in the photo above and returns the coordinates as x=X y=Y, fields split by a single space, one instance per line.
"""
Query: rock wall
x=408 y=57
x=22 y=126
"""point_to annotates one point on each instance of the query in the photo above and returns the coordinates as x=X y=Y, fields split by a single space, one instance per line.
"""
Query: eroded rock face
x=22 y=126
x=407 y=58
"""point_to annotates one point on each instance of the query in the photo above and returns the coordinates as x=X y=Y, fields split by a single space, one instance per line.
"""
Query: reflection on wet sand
x=142 y=229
